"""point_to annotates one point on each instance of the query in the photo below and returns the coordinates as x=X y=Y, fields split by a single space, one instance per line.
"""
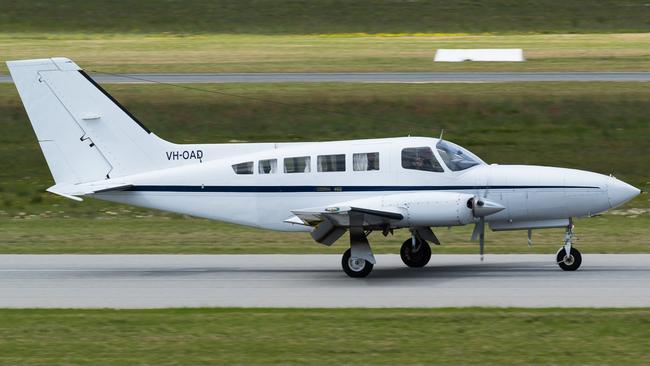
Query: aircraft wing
x=333 y=221
x=340 y=216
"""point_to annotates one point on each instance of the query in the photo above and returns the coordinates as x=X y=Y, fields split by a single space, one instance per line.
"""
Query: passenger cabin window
x=243 y=168
x=331 y=163
x=298 y=164
x=420 y=158
x=269 y=166
x=365 y=161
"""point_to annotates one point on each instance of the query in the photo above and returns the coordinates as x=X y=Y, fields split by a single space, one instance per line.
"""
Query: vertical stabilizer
x=84 y=133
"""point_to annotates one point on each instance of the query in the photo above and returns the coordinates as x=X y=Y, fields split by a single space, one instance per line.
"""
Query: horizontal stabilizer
x=71 y=191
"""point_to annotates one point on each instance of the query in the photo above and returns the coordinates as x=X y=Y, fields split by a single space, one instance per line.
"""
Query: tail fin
x=84 y=133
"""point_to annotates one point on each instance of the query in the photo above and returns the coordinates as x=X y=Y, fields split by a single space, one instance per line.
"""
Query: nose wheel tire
x=355 y=267
x=569 y=262
x=415 y=257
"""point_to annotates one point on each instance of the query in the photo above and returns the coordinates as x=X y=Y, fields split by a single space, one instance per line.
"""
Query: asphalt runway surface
x=158 y=281
x=368 y=77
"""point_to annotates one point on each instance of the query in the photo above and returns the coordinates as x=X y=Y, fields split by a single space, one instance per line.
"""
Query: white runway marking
x=156 y=281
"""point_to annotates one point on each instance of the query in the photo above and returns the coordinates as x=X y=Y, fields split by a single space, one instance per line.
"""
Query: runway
x=158 y=281
x=369 y=77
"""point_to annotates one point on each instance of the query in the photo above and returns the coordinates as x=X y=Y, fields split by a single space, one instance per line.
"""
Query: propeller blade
x=479 y=234
x=477 y=231
x=482 y=236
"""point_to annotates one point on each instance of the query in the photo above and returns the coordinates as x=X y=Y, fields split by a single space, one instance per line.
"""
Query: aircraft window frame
x=306 y=160
x=429 y=161
x=273 y=166
x=331 y=163
x=359 y=165
x=245 y=168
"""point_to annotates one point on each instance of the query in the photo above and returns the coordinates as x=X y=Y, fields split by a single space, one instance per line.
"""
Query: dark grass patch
x=325 y=16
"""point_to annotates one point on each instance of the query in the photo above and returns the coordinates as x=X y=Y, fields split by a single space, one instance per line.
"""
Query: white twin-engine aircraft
x=95 y=147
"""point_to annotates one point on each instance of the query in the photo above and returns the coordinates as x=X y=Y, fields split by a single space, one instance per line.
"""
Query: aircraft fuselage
x=212 y=189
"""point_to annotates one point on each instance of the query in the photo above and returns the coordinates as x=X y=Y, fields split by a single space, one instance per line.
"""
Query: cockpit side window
x=455 y=157
x=420 y=158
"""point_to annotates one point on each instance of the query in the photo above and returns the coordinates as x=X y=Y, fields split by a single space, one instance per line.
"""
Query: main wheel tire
x=570 y=263
x=415 y=257
x=355 y=267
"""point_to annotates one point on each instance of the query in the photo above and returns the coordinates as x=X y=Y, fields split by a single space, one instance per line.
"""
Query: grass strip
x=160 y=52
x=478 y=336
x=623 y=233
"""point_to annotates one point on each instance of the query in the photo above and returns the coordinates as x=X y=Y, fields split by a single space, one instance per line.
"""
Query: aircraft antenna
x=442 y=132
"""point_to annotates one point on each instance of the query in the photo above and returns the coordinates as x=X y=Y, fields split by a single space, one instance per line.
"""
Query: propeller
x=481 y=208
x=479 y=233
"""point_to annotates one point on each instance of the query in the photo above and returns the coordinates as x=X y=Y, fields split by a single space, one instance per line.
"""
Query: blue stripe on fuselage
x=319 y=189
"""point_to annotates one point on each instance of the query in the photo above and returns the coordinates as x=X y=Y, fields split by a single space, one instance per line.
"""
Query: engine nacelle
x=433 y=208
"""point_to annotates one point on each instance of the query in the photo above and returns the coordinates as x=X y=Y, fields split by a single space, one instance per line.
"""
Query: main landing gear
x=355 y=267
x=568 y=257
x=358 y=261
x=415 y=252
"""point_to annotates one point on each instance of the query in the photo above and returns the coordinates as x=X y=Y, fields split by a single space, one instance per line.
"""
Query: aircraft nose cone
x=620 y=192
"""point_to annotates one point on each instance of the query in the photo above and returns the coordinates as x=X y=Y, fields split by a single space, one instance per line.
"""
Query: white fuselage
x=533 y=196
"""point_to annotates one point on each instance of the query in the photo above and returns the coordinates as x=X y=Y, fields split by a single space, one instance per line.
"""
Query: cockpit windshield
x=455 y=157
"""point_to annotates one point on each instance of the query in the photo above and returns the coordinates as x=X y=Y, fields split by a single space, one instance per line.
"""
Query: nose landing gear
x=569 y=262
x=568 y=258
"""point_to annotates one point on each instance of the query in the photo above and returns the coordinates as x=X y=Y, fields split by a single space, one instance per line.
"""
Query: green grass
x=352 y=52
x=108 y=233
x=600 y=127
x=473 y=336
x=325 y=16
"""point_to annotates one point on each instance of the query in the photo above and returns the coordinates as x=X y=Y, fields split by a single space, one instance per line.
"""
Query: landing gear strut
x=415 y=252
x=568 y=257
x=358 y=261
